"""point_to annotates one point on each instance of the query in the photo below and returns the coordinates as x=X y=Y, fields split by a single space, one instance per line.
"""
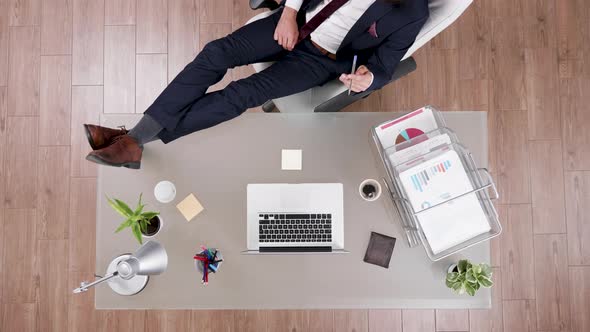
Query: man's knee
x=218 y=52
x=215 y=47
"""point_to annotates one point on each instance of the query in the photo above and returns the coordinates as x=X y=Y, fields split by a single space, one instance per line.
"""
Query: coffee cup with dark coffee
x=370 y=190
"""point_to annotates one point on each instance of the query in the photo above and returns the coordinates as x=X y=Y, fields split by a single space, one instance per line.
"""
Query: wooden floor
x=63 y=62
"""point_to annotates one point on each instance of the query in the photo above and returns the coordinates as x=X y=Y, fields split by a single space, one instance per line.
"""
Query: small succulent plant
x=469 y=277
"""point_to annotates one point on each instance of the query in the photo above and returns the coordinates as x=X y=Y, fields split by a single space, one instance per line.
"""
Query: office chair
x=333 y=96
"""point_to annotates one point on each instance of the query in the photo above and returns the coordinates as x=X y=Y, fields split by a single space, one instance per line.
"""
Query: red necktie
x=319 y=18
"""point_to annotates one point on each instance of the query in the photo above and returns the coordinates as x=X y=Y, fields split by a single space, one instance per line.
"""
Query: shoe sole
x=131 y=165
x=89 y=138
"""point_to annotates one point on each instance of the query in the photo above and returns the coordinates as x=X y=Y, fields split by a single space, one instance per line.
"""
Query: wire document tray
x=415 y=150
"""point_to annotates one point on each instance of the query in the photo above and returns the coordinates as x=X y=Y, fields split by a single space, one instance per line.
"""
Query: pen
x=201 y=258
x=352 y=73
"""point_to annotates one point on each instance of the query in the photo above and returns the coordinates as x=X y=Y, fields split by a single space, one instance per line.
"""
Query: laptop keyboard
x=285 y=227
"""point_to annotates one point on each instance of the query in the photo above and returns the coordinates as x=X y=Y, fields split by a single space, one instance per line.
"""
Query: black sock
x=146 y=130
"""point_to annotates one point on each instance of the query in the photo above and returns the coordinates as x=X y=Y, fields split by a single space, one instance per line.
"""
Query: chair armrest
x=342 y=100
x=259 y=4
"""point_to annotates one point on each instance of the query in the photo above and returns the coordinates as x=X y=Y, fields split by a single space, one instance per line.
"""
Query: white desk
x=217 y=164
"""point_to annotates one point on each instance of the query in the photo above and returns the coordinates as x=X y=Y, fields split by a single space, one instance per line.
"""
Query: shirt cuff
x=372 y=79
x=295 y=4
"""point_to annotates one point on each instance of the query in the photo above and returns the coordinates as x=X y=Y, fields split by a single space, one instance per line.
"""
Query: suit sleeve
x=386 y=57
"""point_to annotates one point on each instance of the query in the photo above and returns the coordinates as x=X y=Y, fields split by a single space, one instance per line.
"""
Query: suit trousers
x=184 y=106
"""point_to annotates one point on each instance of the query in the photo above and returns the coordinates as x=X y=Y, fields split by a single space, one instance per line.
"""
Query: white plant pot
x=157 y=232
x=451 y=267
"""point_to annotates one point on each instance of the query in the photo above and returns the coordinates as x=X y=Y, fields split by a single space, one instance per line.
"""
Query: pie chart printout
x=407 y=134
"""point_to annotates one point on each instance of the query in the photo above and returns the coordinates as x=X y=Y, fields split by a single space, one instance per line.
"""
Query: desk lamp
x=128 y=274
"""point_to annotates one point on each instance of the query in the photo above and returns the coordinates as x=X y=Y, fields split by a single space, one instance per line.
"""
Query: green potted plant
x=465 y=277
x=141 y=223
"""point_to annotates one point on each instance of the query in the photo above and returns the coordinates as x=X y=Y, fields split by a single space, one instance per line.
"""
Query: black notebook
x=380 y=250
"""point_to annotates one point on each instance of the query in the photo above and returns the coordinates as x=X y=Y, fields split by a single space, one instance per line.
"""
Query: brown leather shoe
x=123 y=152
x=101 y=137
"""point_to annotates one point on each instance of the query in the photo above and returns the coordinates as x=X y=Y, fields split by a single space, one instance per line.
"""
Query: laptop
x=295 y=218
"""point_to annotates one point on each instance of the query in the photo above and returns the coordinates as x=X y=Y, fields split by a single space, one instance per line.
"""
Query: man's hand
x=361 y=79
x=287 y=32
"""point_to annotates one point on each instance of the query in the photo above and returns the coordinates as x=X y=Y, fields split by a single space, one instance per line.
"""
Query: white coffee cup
x=370 y=190
x=165 y=191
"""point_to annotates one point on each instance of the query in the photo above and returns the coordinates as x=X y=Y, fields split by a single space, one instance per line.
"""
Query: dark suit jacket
x=397 y=27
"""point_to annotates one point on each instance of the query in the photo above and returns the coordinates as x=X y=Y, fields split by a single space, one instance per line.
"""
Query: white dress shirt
x=331 y=33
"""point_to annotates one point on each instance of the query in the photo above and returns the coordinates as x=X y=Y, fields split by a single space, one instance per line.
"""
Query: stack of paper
x=437 y=180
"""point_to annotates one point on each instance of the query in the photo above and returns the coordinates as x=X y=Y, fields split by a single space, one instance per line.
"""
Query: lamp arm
x=84 y=285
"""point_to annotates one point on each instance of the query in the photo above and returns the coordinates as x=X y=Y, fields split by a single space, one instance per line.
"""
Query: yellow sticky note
x=190 y=207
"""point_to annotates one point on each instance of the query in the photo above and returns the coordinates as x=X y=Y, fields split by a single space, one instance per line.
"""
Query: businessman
x=311 y=42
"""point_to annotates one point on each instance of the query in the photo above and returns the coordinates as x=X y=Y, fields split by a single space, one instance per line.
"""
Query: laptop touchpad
x=294 y=199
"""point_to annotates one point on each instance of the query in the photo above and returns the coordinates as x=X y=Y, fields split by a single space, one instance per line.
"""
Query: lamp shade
x=149 y=259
